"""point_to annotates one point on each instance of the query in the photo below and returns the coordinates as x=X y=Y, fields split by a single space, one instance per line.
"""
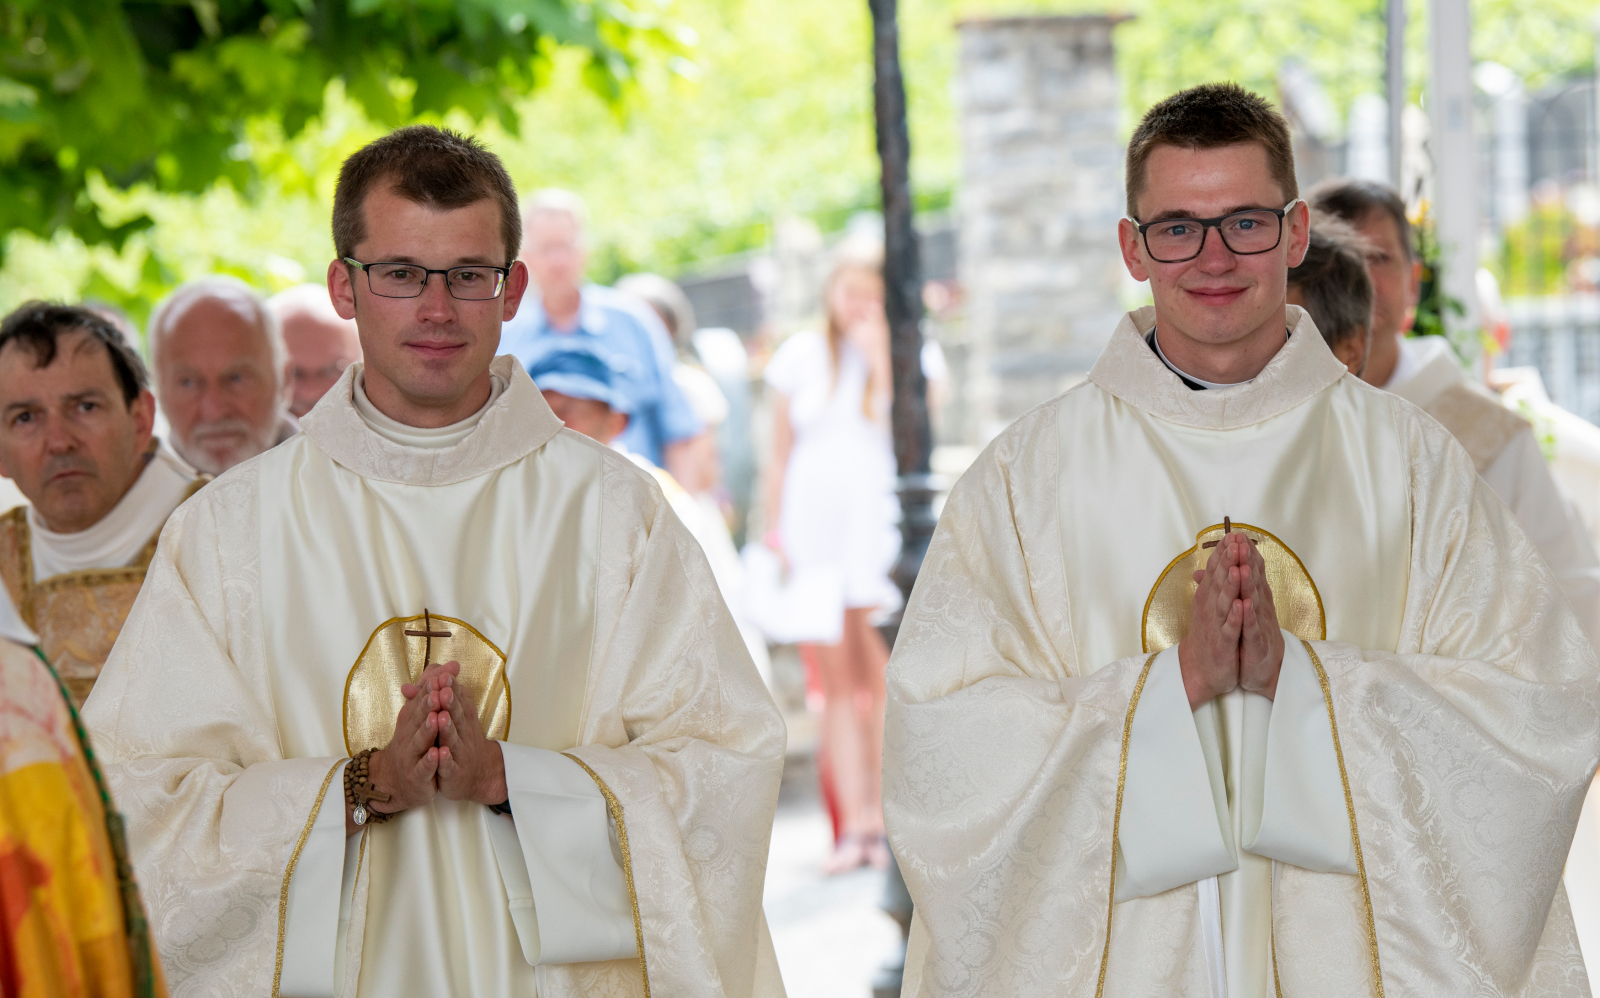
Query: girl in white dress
x=830 y=495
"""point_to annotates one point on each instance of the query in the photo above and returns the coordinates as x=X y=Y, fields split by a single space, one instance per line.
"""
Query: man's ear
x=1352 y=352
x=1131 y=243
x=341 y=289
x=1299 y=234
x=143 y=409
x=619 y=423
x=516 y=287
x=1416 y=281
x=285 y=386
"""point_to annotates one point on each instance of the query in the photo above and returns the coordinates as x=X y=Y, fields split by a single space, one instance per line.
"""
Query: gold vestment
x=77 y=615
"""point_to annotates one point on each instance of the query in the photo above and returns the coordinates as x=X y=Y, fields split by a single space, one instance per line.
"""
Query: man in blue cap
x=563 y=309
x=581 y=389
x=578 y=383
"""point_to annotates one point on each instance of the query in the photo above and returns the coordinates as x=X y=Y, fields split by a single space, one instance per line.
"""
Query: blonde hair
x=855 y=255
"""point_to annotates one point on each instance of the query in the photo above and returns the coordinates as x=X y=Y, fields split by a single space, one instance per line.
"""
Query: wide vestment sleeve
x=682 y=737
x=1463 y=756
x=1469 y=749
x=183 y=722
x=1001 y=755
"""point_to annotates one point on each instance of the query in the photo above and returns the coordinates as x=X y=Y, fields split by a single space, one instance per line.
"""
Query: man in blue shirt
x=619 y=327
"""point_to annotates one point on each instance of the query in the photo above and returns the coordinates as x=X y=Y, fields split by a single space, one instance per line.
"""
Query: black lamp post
x=913 y=438
x=902 y=267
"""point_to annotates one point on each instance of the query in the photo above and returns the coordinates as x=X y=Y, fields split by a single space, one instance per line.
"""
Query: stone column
x=1040 y=197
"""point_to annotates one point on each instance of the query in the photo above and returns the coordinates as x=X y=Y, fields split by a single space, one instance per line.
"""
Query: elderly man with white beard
x=221 y=373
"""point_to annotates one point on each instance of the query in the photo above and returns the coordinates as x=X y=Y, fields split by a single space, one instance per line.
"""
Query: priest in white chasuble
x=1225 y=674
x=438 y=698
x=1423 y=370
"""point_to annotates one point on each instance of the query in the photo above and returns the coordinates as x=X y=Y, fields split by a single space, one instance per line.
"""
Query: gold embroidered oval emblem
x=397 y=652
x=1294 y=594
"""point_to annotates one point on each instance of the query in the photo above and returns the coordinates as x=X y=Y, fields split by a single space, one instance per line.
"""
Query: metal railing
x=1561 y=337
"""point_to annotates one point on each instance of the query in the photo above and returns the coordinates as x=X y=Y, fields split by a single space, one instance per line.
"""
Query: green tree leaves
x=164 y=93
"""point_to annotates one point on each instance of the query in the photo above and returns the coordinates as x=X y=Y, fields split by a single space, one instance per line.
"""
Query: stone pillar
x=1040 y=197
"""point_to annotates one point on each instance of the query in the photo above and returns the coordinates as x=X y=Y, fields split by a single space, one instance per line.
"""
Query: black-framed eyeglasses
x=1246 y=233
x=406 y=280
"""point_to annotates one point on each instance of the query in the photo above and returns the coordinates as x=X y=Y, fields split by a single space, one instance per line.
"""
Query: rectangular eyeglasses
x=1246 y=233
x=406 y=280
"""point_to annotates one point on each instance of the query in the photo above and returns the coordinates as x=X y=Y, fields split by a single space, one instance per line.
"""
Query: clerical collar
x=1190 y=381
x=432 y=438
x=121 y=534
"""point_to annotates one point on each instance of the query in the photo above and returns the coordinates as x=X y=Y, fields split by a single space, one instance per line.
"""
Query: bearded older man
x=221 y=372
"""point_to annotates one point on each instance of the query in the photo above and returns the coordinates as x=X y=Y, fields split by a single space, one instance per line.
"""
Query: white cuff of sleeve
x=568 y=900
x=311 y=925
x=1174 y=827
x=1304 y=820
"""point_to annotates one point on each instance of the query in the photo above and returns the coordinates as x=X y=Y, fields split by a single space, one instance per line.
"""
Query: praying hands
x=438 y=747
x=1233 y=638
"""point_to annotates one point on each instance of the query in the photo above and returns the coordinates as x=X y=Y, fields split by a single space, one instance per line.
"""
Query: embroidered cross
x=1227 y=528
x=427 y=634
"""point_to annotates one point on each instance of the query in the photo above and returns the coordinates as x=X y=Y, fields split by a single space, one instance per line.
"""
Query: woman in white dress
x=831 y=507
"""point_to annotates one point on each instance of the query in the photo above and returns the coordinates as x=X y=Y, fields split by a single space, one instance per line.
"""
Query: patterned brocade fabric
x=1470 y=735
x=62 y=929
x=77 y=616
x=674 y=720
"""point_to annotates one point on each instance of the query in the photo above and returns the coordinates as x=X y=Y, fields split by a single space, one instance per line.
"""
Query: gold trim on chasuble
x=288 y=873
x=372 y=700
x=1171 y=600
x=372 y=697
x=614 y=806
x=82 y=612
x=1350 y=808
x=1300 y=612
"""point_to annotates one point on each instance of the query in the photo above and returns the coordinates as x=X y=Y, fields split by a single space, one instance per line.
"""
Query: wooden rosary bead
x=359 y=790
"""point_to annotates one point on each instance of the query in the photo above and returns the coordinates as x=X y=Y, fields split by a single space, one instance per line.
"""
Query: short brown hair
x=429 y=166
x=1353 y=200
x=1206 y=117
x=1333 y=280
x=37 y=326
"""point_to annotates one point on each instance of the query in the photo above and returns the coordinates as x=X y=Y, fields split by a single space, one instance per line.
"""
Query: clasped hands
x=438 y=748
x=1233 y=639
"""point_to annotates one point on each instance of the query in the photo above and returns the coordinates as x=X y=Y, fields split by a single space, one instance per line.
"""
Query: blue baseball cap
x=581 y=372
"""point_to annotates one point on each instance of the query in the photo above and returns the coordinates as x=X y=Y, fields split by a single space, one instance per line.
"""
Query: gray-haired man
x=221 y=373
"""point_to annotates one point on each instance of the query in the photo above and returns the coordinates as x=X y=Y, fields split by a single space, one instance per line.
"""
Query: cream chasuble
x=1503 y=449
x=1576 y=468
x=642 y=751
x=1392 y=823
